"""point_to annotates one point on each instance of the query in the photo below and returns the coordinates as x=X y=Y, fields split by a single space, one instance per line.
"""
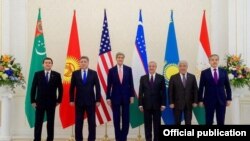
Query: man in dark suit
x=44 y=98
x=83 y=96
x=152 y=100
x=120 y=93
x=217 y=94
x=183 y=93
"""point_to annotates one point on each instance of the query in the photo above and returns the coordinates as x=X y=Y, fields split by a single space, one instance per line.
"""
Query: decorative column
x=237 y=94
x=5 y=97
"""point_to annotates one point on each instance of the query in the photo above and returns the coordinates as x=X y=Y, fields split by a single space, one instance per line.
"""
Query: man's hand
x=228 y=103
x=72 y=103
x=194 y=105
x=163 y=108
x=171 y=106
x=109 y=102
x=141 y=108
x=97 y=104
x=201 y=104
x=34 y=105
x=131 y=100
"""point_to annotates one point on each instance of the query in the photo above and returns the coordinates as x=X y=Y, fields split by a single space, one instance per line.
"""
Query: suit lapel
x=51 y=76
x=88 y=76
x=211 y=76
x=180 y=80
x=220 y=74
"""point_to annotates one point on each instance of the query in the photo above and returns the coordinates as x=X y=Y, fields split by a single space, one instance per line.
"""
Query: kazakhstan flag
x=171 y=67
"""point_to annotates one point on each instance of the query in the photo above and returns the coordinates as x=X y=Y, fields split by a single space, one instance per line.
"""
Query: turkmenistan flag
x=38 y=54
x=170 y=68
x=139 y=68
x=202 y=62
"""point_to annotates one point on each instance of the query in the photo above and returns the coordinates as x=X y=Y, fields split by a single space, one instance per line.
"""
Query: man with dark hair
x=214 y=91
x=85 y=98
x=44 y=98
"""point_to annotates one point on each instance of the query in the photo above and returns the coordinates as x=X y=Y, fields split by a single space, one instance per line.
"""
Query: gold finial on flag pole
x=139 y=137
x=72 y=137
x=106 y=138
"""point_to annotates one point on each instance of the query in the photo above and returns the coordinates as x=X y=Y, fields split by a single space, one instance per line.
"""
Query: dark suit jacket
x=45 y=93
x=220 y=92
x=83 y=94
x=152 y=97
x=180 y=95
x=120 y=92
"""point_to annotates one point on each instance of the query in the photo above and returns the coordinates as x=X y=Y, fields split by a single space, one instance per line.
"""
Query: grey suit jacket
x=180 y=95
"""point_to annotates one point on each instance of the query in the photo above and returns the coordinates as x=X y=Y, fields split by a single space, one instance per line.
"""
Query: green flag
x=38 y=54
x=139 y=68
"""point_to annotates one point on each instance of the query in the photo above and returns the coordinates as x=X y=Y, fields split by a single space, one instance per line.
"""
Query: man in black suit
x=83 y=96
x=44 y=98
x=152 y=100
x=183 y=93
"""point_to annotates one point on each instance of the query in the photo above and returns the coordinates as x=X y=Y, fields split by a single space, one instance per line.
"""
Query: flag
x=170 y=68
x=139 y=68
x=38 y=54
x=202 y=62
x=105 y=62
x=67 y=112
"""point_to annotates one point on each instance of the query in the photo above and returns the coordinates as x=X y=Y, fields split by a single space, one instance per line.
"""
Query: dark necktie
x=47 y=77
x=84 y=79
x=215 y=76
x=152 y=80
x=184 y=80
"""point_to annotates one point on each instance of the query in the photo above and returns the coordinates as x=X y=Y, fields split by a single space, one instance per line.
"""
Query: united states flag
x=104 y=112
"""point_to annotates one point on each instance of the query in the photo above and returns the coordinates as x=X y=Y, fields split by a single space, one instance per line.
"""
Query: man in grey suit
x=183 y=93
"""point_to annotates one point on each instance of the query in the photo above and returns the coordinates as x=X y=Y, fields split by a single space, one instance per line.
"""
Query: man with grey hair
x=214 y=91
x=183 y=93
x=120 y=93
x=152 y=100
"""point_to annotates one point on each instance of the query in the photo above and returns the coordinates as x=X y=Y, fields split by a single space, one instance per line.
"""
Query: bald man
x=183 y=93
x=152 y=100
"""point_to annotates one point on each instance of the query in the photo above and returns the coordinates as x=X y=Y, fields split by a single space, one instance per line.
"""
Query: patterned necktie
x=215 y=76
x=84 y=77
x=184 y=80
x=120 y=74
x=47 y=77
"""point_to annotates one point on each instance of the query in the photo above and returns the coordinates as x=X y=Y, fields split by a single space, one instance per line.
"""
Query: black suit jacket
x=46 y=93
x=152 y=97
x=84 y=94
x=180 y=95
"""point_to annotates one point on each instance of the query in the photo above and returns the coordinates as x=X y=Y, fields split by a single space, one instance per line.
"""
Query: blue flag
x=171 y=67
x=139 y=68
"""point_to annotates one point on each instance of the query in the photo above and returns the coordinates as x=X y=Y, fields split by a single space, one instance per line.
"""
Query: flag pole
x=106 y=138
x=139 y=137
x=72 y=137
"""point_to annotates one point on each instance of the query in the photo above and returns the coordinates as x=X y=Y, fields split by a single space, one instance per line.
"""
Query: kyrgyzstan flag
x=67 y=112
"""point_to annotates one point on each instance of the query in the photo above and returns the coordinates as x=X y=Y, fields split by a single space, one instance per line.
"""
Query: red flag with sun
x=67 y=112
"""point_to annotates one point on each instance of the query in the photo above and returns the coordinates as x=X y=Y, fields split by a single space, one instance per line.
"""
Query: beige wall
x=123 y=21
x=0 y=26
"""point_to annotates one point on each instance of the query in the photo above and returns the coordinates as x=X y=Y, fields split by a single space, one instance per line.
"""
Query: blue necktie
x=84 y=79
x=47 y=77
